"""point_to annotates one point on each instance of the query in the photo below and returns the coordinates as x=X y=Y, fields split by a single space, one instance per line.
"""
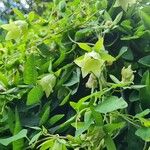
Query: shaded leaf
x=20 y=135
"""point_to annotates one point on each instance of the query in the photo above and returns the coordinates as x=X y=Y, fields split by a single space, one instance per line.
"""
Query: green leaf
x=3 y=79
x=143 y=113
x=31 y=16
x=110 y=128
x=45 y=115
x=65 y=100
x=35 y=138
x=20 y=135
x=107 y=57
x=97 y=117
x=18 y=13
x=47 y=83
x=118 y=18
x=110 y=104
x=144 y=92
x=107 y=16
x=99 y=45
x=145 y=61
x=10 y=120
x=30 y=72
x=75 y=78
x=88 y=120
x=14 y=32
x=110 y=145
x=55 y=118
x=47 y=144
x=128 y=55
x=35 y=95
x=113 y=78
x=145 y=17
x=85 y=47
x=143 y=133
x=18 y=144
x=122 y=51
x=124 y=3
x=80 y=103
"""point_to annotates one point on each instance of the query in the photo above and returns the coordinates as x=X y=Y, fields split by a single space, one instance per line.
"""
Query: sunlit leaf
x=110 y=104
x=35 y=95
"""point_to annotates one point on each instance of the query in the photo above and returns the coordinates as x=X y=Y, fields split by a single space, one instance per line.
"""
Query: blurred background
x=26 y=6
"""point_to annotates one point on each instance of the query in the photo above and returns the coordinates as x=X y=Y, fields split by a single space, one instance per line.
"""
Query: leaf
x=47 y=144
x=99 y=45
x=18 y=144
x=55 y=118
x=30 y=73
x=143 y=113
x=107 y=16
x=84 y=126
x=14 y=32
x=18 y=13
x=31 y=16
x=122 y=51
x=145 y=61
x=85 y=47
x=134 y=96
x=110 y=104
x=97 y=117
x=65 y=100
x=107 y=57
x=145 y=17
x=45 y=115
x=10 y=120
x=35 y=95
x=80 y=103
x=3 y=79
x=47 y=83
x=110 y=145
x=143 y=133
x=118 y=18
x=124 y=3
x=74 y=79
x=144 y=93
x=113 y=78
x=20 y=135
x=35 y=138
x=128 y=55
x=145 y=122
x=110 y=128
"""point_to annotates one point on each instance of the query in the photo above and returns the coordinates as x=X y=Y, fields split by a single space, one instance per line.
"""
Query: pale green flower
x=90 y=63
x=127 y=74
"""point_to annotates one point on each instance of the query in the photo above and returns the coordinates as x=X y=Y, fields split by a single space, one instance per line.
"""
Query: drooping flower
x=90 y=63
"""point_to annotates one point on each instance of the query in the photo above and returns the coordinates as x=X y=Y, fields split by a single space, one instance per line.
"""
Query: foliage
x=76 y=76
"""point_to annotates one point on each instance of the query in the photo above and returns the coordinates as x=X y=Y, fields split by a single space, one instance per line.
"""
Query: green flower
x=127 y=74
x=90 y=63
x=92 y=82
x=15 y=29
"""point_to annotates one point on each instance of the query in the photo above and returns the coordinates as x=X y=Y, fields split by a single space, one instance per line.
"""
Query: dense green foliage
x=76 y=76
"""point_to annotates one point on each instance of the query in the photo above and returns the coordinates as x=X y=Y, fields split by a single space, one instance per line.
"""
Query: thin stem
x=145 y=146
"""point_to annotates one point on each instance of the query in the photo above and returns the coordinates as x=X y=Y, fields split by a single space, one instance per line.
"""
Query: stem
x=145 y=146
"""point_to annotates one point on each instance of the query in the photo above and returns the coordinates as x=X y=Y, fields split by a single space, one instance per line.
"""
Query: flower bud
x=92 y=82
x=127 y=74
